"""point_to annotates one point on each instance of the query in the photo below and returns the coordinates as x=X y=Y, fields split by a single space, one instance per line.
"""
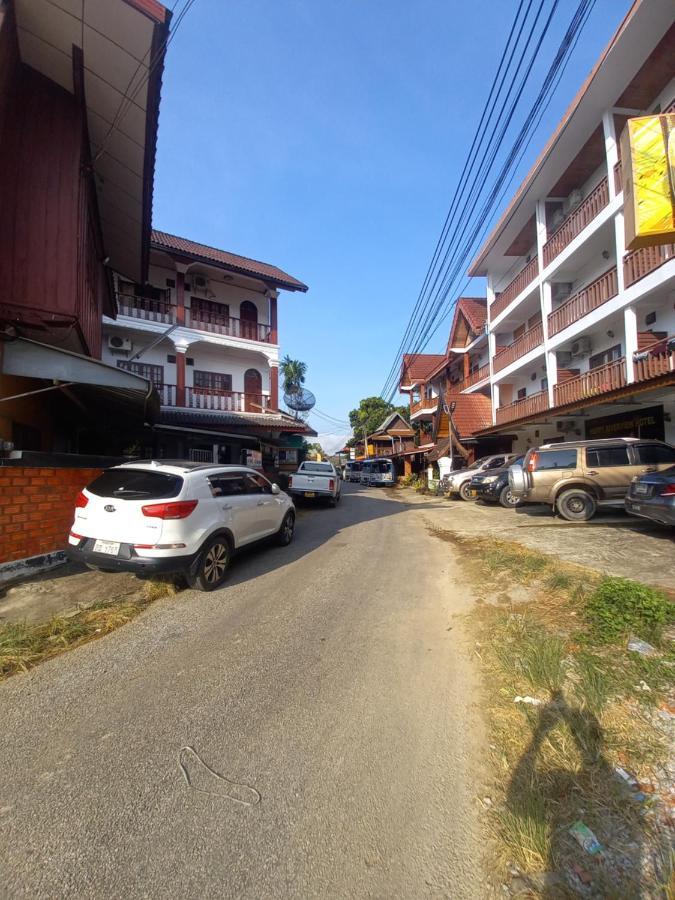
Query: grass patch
x=619 y=607
x=24 y=646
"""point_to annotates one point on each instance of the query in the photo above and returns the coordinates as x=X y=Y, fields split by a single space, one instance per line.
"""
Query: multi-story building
x=580 y=331
x=204 y=330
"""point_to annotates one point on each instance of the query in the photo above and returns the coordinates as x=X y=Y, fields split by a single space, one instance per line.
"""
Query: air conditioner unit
x=119 y=344
x=572 y=202
x=582 y=347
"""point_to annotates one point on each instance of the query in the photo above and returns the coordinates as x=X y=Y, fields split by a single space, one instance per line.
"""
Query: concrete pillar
x=274 y=385
x=181 y=350
x=180 y=298
x=630 y=340
x=611 y=149
x=620 y=244
x=274 y=328
x=495 y=402
x=551 y=375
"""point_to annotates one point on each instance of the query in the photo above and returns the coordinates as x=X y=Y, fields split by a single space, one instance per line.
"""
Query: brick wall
x=36 y=508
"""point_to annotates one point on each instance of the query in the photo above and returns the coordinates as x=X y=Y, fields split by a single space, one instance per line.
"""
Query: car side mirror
x=276 y=489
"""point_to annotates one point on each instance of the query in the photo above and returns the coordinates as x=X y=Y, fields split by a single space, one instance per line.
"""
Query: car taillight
x=81 y=500
x=290 y=481
x=532 y=462
x=180 y=509
x=331 y=484
x=668 y=491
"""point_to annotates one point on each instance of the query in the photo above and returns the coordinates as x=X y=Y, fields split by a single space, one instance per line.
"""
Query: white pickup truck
x=316 y=481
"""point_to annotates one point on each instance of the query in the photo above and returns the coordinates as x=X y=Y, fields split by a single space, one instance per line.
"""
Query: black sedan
x=492 y=486
x=653 y=496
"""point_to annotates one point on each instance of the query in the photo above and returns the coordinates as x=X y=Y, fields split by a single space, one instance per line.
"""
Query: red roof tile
x=417 y=366
x=474 y=310
x=163 y=241
x=473 y=412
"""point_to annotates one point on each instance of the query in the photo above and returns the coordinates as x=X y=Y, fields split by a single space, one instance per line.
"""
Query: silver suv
x=458 y=483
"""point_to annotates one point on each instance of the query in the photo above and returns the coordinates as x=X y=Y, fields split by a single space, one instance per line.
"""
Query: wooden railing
x=475 y=377
x=655 y=361
x=514 y=288
x=591 y=384
x=577 y=220
x=522 y=345
x=641 y=262
x=208 y=398
x=529 y=406
x=618 y=177
x=428 y=403
x=144 y=308
x=200 y=320
x=580 y=304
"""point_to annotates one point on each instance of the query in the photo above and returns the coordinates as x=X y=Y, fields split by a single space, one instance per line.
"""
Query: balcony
x=580 y=304
x=521 y=409
x=654 y=361
x=598 y=381
x=514 y=288
x=479 y=375
x=522 y=345
x=164 y=312
x=218 y=401
x=575 y=223
x=641 y=262
x=426 y=404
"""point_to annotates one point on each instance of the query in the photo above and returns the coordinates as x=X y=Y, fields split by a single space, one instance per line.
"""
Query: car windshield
x=136 y=484
x=479 y=462
x=322 y=468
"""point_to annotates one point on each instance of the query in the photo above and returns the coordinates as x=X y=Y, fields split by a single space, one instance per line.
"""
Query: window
x=146 y=291
x=319 y=468
x=155 y=374
x=288 y=456
x=556 y=459
x=212 y=381
x=518 y=332
x=209 y=312
x=654 y=454
x=496 y=463
x=136 y=484
x=228 y=484
x=601 y=457
x=256 y=484
x=544 y=384
x=522 y=393
x=607 y=356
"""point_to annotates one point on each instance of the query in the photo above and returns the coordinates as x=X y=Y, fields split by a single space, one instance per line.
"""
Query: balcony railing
x=654 y=361
x=218 y=401
x=618 y=177
x=528 y=406
x=641 y=262
x=522 y=345
x=580 y=304
x=165 y=312
x=598 y=381
x=575 y=223
x=475 y=377
x=514 y=288
x=428 y=403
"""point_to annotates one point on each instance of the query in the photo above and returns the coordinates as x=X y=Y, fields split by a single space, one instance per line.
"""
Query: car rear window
x=323 y=468
x=556 y=459
x=601 y=457
x=136 y=484
x=654 y=454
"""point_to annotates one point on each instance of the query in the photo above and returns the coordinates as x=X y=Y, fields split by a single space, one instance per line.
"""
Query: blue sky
x=326 y=137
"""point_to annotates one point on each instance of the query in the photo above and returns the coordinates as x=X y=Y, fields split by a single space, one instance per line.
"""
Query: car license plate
x=310 y=494
x=110 y=547
x=473 y=492
x=640 y=488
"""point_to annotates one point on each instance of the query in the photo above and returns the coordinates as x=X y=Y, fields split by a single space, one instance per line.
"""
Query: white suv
x=164 y=516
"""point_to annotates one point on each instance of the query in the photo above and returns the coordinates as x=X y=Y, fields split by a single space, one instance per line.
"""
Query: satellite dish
x=299 y=399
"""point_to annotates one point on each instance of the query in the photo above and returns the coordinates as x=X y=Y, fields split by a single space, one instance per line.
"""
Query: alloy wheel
x=215 y=563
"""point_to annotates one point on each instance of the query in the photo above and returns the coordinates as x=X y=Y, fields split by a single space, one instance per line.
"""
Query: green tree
x=293 y=373
x=313 y=449
x=371 y=413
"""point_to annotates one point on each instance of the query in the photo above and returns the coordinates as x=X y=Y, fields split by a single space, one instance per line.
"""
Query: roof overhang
x=639 y=33
x=87 y=379
x=113 y=53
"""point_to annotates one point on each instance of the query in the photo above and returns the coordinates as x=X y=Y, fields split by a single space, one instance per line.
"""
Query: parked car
x=316 y=481
x=576 y=478
x=653 y=496
x=458 y=483
x=492 y=486
x=154 y=517
x=352 y=471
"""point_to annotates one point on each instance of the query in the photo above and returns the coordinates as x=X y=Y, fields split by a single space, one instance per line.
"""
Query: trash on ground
x=583 y=876
x=642 y=647
x=204 y=780
x=643 y=686
x=585 y=838
x=630 y=780
x=533 y=701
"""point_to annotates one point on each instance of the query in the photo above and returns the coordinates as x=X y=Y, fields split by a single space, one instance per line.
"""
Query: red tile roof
x=473 y=412
x=417 y=366
x=474 y=310
x=163 y=241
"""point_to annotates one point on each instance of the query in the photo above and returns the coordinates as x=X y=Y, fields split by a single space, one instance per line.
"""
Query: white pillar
x=490 y=293
x=495 y=402
x=620 y=245
x=611 y=149
x=630 y=340
x=551 y=375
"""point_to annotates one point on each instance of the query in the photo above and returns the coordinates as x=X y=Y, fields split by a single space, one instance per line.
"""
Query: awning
x=97 y=388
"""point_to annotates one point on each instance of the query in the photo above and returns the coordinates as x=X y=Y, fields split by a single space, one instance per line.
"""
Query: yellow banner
x=648 y=172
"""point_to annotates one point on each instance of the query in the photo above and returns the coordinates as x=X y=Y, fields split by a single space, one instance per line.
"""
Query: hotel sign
x=648 y=172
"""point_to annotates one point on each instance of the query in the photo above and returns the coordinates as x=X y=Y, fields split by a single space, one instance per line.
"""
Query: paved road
x=324 y=678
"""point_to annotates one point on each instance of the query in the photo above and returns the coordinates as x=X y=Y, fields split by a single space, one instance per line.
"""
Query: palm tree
x=293 y=372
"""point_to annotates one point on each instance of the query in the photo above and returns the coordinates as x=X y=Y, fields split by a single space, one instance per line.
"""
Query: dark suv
x=493 y=486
